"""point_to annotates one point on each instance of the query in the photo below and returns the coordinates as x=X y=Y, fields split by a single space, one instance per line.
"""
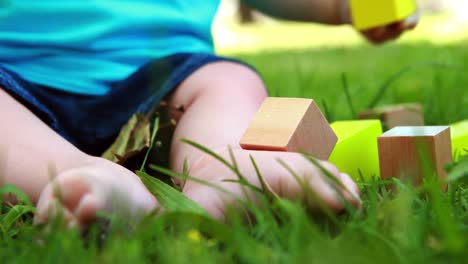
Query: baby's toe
x=68 y=197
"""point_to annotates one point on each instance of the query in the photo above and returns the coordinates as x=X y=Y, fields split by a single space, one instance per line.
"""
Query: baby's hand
x=316 y=190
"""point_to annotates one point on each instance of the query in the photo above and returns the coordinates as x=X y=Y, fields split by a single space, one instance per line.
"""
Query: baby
x=73 y=72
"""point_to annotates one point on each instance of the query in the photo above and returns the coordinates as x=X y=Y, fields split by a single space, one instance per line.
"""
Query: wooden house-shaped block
x=290 y=124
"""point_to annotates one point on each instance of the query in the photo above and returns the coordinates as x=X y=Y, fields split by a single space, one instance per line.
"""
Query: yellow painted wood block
x=459 y=139
x=356 y=152
x=290 y=124
x=373 y=13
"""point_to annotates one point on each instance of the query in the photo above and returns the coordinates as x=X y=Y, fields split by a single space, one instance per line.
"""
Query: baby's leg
x=220 y=100
x=39 y=161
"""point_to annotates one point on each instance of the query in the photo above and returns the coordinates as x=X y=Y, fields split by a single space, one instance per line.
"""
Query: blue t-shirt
x=80 y=45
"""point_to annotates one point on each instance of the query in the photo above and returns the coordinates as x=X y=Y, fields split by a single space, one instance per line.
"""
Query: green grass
x=413 y=225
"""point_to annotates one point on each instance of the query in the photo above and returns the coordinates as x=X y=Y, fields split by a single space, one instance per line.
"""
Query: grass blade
x=170 y=198
x=233 y=167
x=311 y=194
x=349 y=100
x=335 y=182
x=21 y=197
x=266 y=188
x=14 y=214
x=153 y=137
x=209 y=152
x=196 y=180
x=327 y=112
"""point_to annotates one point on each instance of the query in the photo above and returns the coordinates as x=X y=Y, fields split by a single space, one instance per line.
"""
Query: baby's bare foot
x=276 y=175
x=78 y=194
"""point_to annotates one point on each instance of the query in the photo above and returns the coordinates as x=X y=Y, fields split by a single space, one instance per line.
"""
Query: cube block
x=412 y=152
x=290 y=124
x=356 y=151
x=459 y=139
x=372 y=13
x=396 y=115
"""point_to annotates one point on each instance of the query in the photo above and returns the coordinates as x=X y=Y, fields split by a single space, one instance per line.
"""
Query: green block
x=356 y=149
x=372 y=13
x=459 y=134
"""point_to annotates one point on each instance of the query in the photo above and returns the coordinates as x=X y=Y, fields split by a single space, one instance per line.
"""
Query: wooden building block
x=372 y=13
x=411 y=152
x=459 y=133
x=290 y=124
x=396 y=115
x=356 y=150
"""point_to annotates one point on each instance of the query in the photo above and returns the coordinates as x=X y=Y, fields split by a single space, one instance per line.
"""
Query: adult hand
x=383 y=33
x=392 y=31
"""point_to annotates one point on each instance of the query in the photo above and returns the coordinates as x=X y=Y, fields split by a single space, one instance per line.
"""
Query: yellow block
x=459 y=139
x=356 y=151
x=372 y=13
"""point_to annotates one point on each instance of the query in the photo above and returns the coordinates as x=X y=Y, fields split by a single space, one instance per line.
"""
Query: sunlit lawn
x=415 y=225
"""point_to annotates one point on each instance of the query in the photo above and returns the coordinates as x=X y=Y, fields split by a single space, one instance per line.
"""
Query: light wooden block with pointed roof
x=290 y=124
x=412 y=152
